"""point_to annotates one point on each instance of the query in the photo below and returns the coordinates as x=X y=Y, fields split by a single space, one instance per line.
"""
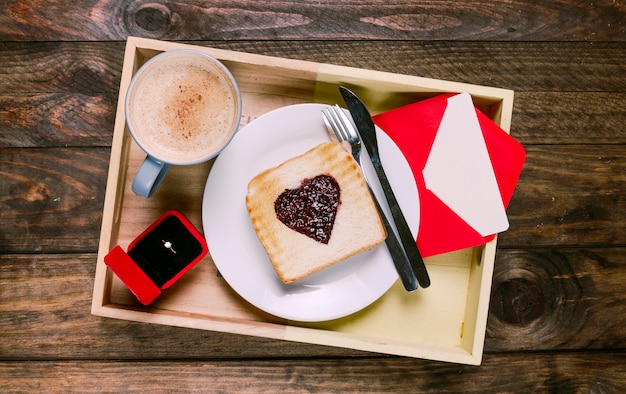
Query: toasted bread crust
x=357 y=225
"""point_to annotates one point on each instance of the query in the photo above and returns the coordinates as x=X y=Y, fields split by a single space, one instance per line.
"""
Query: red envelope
x=413 y=128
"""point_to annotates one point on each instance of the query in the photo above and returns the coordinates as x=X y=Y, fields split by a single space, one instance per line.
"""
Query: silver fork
x=337 y=121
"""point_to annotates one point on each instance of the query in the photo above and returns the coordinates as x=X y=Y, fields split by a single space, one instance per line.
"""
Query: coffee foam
x=183 y=109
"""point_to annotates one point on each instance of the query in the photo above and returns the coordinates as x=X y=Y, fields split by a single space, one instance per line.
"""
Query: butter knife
x=367 y=131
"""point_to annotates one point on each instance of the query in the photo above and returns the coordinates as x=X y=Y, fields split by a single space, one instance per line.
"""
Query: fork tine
x=338 y=126
x=339 y=123
x=337 y=120
x=331 y=123
x=350 y=131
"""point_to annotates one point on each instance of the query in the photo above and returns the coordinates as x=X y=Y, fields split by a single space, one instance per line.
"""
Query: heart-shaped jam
x=311 y=208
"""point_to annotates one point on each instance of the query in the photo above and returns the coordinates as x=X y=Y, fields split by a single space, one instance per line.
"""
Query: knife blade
x=367 y=131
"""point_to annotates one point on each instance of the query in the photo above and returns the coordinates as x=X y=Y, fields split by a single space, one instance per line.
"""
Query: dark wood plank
x=58 y=67
x=57 y=119
x=69 y=97
x=520 y=20
x=572 y=67
x=51 y=199
x=569 y=195
x=553 y=299
x=571 y=373
x=520 y=66
x=569 y=117
x=548 y=299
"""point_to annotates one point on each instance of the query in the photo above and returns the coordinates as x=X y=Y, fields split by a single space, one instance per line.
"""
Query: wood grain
x=603 y=373
x=57 y=119
x=541 y=300
x=65 y=94
x=573 y=66
x=520 y=20
x=557 y=299
x=58 y=67
x=51 y=199
x=561 y=118
x=564 y=188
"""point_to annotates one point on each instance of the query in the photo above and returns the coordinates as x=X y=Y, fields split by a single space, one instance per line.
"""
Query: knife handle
x=399 y=258
x=406 y=237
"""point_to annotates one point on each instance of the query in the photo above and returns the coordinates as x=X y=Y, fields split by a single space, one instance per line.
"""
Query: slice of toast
x=357 y=225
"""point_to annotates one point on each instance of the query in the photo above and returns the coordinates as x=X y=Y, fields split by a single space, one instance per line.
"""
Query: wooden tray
x=445 y=322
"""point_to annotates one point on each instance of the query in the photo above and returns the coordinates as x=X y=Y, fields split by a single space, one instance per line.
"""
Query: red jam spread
x=311 y=208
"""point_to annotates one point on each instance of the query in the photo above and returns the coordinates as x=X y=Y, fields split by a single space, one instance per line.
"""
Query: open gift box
x=446 y=321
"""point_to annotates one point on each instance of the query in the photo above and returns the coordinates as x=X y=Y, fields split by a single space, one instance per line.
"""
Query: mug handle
x=149 y=176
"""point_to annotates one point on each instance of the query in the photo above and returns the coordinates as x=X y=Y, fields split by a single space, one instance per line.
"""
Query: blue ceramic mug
x=182 y=107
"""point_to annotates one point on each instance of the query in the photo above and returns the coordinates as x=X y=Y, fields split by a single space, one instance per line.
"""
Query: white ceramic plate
x=331 y=293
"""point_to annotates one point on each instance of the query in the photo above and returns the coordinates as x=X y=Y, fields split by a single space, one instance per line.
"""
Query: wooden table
x=557 y=320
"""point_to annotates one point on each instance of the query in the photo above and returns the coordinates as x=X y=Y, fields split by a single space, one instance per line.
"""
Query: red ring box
x=159 y=256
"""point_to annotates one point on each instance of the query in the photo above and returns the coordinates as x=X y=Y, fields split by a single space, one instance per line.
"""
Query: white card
x=459 y=171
